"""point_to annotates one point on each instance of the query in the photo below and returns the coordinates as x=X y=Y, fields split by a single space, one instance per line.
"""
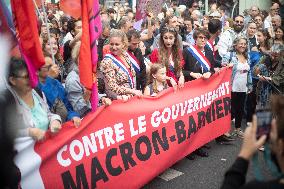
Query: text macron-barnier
x=110 y=135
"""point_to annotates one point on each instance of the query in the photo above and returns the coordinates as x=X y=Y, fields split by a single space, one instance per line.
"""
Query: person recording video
x=235 y=177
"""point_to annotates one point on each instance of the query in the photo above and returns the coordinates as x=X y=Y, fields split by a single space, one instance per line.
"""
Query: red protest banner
x=140 y=137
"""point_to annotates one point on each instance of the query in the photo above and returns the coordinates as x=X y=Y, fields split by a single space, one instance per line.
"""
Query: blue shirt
x=52 y=90
x=189 y=38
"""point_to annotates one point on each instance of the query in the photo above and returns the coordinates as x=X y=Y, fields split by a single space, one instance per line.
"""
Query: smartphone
x=264 y=118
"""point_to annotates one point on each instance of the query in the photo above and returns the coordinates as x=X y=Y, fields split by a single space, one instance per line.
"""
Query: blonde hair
x=154 y=70
x=120 y=34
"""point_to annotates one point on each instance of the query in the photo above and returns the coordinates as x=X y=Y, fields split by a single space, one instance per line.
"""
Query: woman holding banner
x=199 y=63
x=169 y=54
x=199 y=60
x=32 y=111
x=118 y=70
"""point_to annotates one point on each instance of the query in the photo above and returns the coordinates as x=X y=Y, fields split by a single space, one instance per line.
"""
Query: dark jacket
x=235 y=178
x=140 y=77
x=192 y=65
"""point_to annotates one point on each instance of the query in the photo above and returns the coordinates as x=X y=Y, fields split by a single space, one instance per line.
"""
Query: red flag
x=26 y=25
x=71 y=7
x=91 y=30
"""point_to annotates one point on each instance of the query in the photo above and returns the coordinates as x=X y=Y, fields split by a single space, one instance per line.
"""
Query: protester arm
x=75 y=40
x=156 y=42
x=75 y=95
x=224 y=43
x=63 y=95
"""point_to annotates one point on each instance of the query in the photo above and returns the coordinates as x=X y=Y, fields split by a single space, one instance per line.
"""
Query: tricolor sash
x=127 y=71
x=134 y=62
x=199 y=56
x=210 y=45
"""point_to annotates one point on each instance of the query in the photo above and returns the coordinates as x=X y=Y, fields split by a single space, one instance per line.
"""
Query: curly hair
x=236 y=41
x=57 y=55
x=265 y=33
x=164 y=53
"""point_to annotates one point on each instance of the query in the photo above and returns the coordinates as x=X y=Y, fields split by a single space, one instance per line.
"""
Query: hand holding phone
x=264 y=118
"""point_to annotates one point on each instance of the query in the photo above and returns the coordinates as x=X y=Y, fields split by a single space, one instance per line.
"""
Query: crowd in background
x=177 y=39
x=163 y=52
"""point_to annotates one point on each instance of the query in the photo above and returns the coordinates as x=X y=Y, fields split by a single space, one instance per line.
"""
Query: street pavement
x=204 y=173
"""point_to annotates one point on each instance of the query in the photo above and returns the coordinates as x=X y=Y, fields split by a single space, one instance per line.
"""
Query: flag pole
x=38 y=12
x=47 y=27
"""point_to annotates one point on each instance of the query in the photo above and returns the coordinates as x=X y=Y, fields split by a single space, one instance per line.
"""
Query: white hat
x=182 y=8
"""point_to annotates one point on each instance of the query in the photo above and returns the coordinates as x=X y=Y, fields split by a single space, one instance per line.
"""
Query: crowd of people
x=176 y=46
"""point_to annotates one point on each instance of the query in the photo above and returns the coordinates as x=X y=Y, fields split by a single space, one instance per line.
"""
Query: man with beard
x=226 y=39
x=134 y=51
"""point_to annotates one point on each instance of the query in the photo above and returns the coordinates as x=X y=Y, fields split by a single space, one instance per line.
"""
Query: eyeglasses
x=201 y=37
x=22 y=77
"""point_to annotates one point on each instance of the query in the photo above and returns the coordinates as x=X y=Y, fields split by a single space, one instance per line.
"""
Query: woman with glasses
x=199 y=60
x=199 y=63
x=241 y=79
x=34 y=113
x=169 y=55
x=56 y=95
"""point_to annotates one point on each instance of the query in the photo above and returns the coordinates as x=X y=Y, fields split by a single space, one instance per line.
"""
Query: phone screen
x=264 y=118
